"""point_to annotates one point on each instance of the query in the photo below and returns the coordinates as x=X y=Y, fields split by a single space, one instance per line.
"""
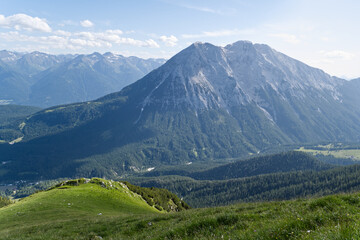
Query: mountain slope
x=10 y=118
x=206 y=102
x=14 y=86
x=350 y=94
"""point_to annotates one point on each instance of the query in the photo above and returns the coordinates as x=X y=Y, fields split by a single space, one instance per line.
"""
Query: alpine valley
x=206 y=105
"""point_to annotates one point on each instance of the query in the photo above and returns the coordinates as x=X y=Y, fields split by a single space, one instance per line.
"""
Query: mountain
x=45 y=80
x=16 y=73
x=8 y=56
x=14 y=86
x=88 y=77
x=32 y=63
x=349 y=91
x=205 y=103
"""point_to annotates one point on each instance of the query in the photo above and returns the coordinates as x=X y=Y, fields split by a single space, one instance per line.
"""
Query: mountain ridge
x=204 y=103
x=49 y=80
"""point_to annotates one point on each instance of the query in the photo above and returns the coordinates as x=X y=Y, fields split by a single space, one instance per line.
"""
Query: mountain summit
x=205 y=103
x=205 y=76
x=296 y=99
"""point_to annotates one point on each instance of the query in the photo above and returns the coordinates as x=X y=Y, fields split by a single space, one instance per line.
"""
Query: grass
x=48 y=215
x=353 y=154
x=65 y=206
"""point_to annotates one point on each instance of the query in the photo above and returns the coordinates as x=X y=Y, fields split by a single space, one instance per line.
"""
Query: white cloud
x=338 y=54
x=290 y=38
x=201 y=9
x=170 y=41
x=26 y=22
x=222 y=11
x=42 y=42
x=86 y=23
x=79 y=40
x=220 y=33
x=116 y=31
x=150 y=43
x=62 y=33
x=88 y=43
x=113 y=37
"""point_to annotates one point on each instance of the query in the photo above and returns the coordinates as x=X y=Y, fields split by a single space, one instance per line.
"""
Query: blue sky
x=321 y=33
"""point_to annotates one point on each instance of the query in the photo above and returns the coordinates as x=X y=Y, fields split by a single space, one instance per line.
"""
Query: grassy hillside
x=89 y=211
x=69 y=203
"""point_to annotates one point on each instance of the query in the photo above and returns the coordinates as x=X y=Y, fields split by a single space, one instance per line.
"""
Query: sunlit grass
x=353 y=154
x=90 y=211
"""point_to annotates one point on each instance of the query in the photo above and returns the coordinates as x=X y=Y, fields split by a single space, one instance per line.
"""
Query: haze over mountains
x=45 y=80
x=205 y=103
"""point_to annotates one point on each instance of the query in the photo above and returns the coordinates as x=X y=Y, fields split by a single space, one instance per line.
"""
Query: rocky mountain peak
x=205 y=76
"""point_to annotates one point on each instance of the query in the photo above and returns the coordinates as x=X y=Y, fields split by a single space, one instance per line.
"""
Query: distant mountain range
x=205 y=103
x=45 y=80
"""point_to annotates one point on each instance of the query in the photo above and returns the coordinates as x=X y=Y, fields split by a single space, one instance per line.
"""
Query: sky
x=321 y=33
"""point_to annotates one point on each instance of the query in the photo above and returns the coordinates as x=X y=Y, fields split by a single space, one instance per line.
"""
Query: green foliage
x=275 y=186
x=4 y=201
x=11 y=117
x=9 y=113
x=161 y=199
x=274 y=163
x=73 y=182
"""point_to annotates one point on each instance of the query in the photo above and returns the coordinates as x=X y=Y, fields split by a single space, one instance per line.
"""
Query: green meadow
x=110 y=210
x=336 y=152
